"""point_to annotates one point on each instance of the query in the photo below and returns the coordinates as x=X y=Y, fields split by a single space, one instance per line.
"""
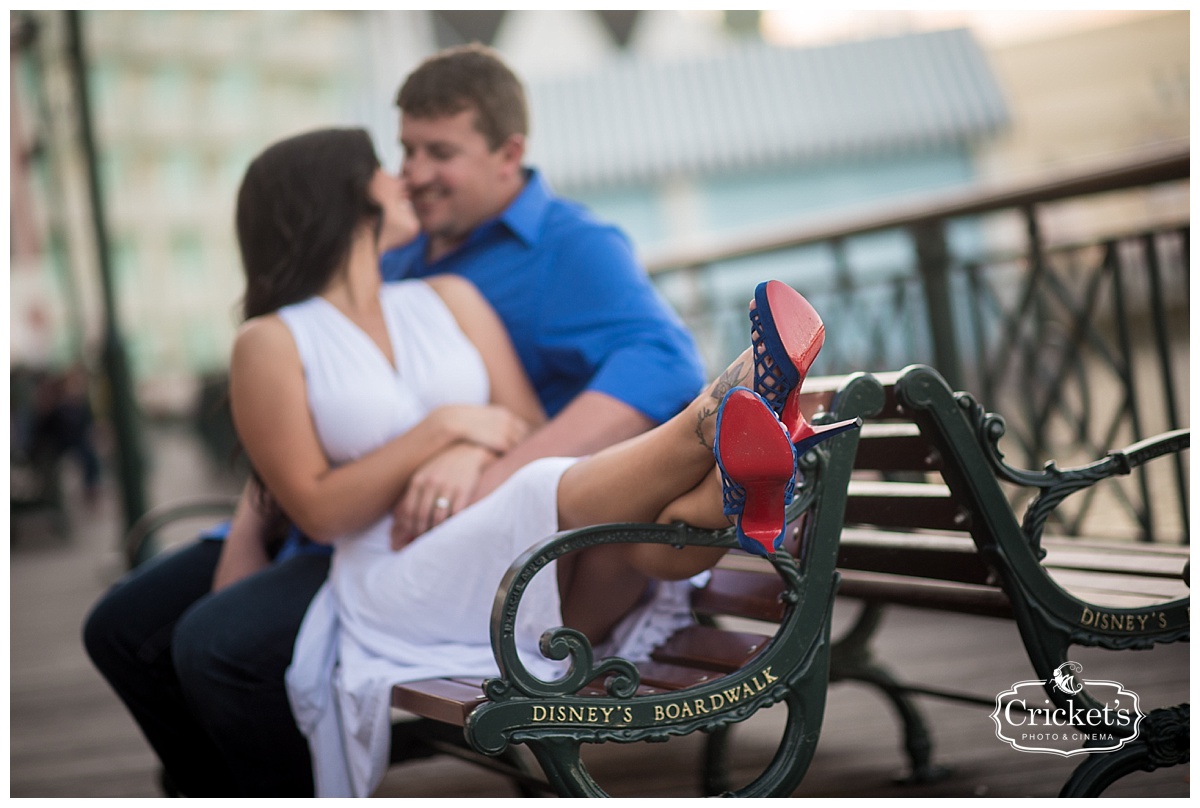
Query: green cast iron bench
x=952 y=541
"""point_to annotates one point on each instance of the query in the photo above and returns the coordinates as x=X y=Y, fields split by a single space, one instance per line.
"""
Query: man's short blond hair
x=468 y=77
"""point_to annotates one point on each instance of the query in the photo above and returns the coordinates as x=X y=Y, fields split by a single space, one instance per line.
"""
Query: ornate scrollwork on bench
x=1057 y=484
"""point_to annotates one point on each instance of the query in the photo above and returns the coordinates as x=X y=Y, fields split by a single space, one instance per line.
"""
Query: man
x=608 y=358
x=204 y=673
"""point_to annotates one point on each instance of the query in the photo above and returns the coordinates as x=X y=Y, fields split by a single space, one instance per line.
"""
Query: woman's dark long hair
x=297 y=209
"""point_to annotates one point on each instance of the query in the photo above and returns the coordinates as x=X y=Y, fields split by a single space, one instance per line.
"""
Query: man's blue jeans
x=202 y=673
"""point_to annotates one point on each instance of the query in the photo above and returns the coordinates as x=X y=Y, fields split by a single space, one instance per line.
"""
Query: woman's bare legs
x=701 y=507
x=667 y=474
x=634 y=480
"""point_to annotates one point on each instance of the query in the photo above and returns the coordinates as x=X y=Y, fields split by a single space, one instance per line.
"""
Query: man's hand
x=244 y=550
x=439 y=489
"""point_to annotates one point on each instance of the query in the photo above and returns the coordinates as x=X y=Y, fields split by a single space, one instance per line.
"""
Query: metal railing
x=1047 y=300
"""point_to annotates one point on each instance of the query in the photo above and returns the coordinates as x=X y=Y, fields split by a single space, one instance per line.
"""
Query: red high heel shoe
x=786 y=334
x=758 y=464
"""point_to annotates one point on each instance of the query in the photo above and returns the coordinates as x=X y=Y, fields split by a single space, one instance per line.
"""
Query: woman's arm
x=270 y=412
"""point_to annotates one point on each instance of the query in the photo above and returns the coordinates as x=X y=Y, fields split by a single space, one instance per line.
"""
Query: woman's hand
x=488 y=425
x=439 y=489
x=446 y=483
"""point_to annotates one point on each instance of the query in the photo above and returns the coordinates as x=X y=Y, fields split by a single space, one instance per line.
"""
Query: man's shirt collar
x=523 y=218
x=525 y=214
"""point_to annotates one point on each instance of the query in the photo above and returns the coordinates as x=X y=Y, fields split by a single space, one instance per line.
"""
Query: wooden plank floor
x=70 y=737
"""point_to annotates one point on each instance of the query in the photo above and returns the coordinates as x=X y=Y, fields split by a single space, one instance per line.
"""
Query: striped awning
x=757 y=106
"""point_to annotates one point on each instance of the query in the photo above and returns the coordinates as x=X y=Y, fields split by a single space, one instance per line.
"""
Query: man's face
x=455 y=180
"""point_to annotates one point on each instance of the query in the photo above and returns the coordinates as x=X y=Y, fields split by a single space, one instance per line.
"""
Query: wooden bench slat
x=815 y=400
x=980 y=600
x=904 y=505
x=658 y=677
x=817 y=393
x=953 y=558
x=753 y=594
x=899 y=490
x=597 y=689
x=1117 y=546
x=1114 y=558
x=447 y=700
x=950 y=558
x=710 y=648
x=927 y=593
x=1158 y=590
x=894 y=447
x=1126 y=565
x=668 y=676
x=1115 y=600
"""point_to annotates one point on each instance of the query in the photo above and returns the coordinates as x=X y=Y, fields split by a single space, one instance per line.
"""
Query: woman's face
x=399 y=224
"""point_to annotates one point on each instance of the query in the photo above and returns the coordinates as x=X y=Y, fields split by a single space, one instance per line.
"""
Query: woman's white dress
x=385 y=617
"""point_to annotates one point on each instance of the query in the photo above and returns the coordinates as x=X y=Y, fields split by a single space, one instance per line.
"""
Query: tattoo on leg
x=734 y=376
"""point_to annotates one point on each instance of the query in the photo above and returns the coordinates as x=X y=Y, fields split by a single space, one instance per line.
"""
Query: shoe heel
x=757 y=462
x=806 y=436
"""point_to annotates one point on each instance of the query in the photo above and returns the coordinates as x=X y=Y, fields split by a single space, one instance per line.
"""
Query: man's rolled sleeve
x=603 y=312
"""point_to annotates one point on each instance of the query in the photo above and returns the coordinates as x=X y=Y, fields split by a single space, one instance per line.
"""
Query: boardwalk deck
x=70 y=737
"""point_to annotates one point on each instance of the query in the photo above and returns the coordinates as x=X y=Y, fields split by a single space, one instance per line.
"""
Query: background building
x=681 y=126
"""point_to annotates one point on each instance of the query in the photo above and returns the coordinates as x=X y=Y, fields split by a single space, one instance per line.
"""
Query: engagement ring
x=441 y=503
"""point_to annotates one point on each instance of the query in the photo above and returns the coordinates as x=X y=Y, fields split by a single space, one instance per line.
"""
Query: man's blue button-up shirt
x=581 y=312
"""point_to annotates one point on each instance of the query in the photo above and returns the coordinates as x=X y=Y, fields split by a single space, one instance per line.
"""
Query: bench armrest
x=565 y=643
x=138 y=543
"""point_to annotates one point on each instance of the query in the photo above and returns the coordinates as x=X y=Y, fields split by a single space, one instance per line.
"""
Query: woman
x=342 y=386
x=160 y=635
